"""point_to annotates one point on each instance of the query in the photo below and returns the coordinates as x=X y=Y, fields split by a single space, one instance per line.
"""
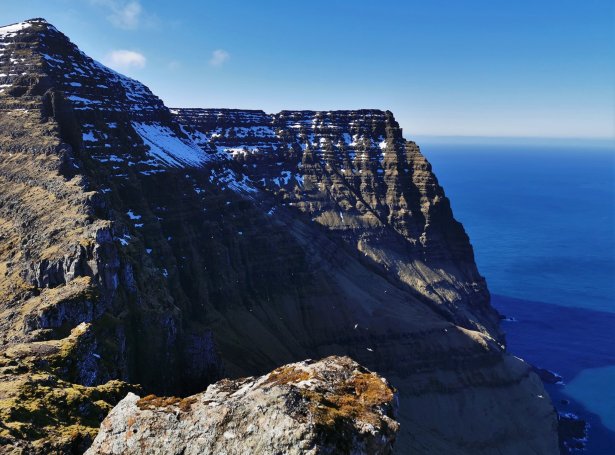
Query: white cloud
x=219 y=57
x=123 y=14
x=122 y=59
x=174 y=65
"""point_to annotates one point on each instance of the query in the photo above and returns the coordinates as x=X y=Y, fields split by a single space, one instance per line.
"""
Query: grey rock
x=333 y=406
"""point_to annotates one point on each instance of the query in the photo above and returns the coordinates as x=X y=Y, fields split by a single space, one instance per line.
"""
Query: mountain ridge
x=137 y=250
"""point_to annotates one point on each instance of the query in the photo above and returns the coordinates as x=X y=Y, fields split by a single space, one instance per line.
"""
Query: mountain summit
x=173 y=248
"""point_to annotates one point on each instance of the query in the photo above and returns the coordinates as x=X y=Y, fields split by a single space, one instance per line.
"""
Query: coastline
x=566 y=341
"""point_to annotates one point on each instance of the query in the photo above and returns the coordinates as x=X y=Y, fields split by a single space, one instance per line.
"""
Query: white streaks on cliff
x=167 y=147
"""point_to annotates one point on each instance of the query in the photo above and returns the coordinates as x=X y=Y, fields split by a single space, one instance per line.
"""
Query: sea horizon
x=606 y=144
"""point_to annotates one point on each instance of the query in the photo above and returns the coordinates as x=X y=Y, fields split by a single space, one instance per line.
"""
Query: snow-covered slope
x=109 y=108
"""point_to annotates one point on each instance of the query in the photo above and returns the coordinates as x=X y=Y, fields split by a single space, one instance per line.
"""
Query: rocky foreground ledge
x=330 y=406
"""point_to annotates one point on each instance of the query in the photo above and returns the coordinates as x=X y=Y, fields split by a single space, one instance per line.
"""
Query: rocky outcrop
x=139 y=249
x=333 y=406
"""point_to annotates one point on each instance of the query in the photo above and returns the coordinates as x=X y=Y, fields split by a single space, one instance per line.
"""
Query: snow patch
x=167 y=147
x=132 y=215
x=11 y=30
x=238 y=184
x=89 y=137
x=49 y=58
x=124 y=239
x=85 y=101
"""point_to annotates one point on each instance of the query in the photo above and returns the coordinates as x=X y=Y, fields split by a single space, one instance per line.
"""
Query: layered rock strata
x=355 y=174
x=139 y=247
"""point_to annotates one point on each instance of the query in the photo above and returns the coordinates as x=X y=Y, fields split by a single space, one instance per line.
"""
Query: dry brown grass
x=356 y=399
x=153 y=402
x=287 y=375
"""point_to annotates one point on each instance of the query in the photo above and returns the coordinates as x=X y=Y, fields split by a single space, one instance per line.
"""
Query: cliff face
x=141 y=246
x=354 y=173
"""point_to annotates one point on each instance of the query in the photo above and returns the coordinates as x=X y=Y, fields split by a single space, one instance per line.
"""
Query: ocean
x=541 y=219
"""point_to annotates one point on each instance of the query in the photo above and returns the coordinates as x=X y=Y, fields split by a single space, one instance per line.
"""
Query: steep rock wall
x=354 y=173
x=139 y=249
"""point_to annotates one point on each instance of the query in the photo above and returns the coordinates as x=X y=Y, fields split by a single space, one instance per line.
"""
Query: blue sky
x=519 y=68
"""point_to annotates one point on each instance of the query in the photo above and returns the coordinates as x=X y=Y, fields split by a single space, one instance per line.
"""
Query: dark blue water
x=542 y=223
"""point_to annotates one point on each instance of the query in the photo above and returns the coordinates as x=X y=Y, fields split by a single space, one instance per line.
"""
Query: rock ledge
x=329 y=406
